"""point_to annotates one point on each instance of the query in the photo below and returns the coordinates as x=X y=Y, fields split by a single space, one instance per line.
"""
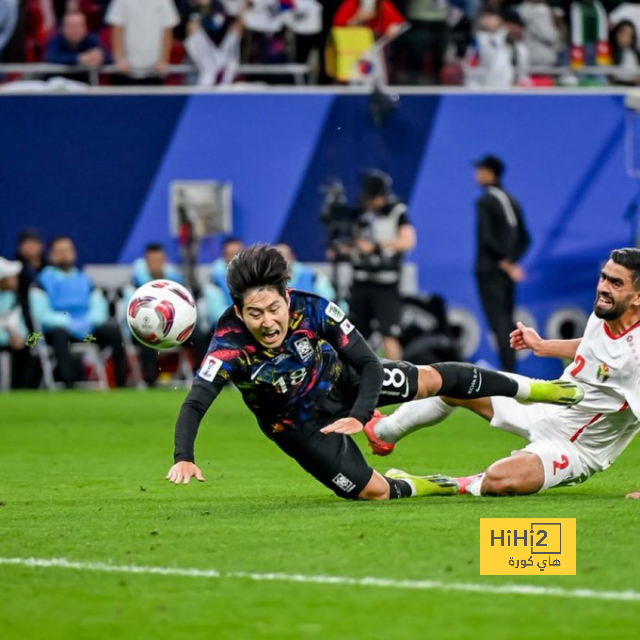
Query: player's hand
x=633 y=496
x=345 y=426
x=524 y=338
x=183 y=472
x=122 y=66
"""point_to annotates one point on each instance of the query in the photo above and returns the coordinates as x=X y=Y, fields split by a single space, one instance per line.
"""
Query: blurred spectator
x=67 y=307
x=544 y=34
x=141 y=39
x=30 y=252
x=384 y=235
x=625 y=55
x=216 y=293
x=154 y=266
x=73 y=45
x=231 y=247
x=589 y=34
x=60 y=7
x=381 y=16
x=502 y=239
x=212 y=44
x=427 y=40
x=210 y=14
x=8 y=21
x=305 y=278
x=495 y=59
x=626 y=11
x=13 y=330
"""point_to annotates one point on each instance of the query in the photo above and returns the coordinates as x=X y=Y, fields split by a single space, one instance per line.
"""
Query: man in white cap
x=13 y=330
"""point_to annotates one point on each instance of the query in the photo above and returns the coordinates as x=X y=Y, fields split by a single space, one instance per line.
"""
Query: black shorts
x=400 y=382
x=376 y=302
x=333 y=459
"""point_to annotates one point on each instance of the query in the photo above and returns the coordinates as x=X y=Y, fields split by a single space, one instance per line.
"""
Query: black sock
x=466 y=381
x=398 y=488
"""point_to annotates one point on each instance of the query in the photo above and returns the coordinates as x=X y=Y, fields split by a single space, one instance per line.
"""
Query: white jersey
x=608 y=368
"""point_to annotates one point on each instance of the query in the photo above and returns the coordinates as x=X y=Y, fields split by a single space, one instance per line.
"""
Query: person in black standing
x=384 y=234
x=502 y=239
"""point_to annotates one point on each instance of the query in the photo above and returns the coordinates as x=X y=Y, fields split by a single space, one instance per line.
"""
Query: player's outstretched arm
x=635 y=495
x=199 y=399
x=183 y=472
x=523 y=337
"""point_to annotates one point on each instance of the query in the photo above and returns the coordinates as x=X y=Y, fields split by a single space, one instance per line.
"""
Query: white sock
x=524 y=385
x=411 y=417
x=475 y=485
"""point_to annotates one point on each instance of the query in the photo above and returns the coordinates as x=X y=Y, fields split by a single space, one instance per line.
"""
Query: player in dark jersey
x=312 y=380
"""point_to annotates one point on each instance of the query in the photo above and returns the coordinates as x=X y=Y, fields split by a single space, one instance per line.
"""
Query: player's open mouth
x=604 y=300
x=270 y=336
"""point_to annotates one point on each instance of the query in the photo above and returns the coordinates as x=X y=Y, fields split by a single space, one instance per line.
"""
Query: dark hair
x=630 y=258
x=511 y=16
x=154 y=246
x=257 y=267
x=57 y=239
x=493 y=164
x=375 y=183
x=230 y=240
x=28 y=234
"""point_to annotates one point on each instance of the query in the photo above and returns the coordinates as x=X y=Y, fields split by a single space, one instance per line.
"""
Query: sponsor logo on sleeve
x=335 y=312
x=210 y=368
x=347 y=327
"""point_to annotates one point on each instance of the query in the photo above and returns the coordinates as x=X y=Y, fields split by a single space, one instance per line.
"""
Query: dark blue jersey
x=303 y=382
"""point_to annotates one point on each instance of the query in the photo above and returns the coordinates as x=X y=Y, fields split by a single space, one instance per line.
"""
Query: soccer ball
x=161 y=314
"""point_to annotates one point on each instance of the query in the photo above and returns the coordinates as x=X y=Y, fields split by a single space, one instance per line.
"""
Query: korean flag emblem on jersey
x=209 y=368
x=334 y=312
x=347 y=327
x=304 y=348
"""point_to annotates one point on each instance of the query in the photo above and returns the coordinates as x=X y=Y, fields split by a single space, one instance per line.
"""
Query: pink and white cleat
x=379 y=447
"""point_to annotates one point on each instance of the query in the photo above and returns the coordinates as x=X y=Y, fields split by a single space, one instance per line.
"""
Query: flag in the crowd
x=472 y=55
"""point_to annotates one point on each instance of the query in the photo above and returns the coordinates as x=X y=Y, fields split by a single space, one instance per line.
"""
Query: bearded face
x=615 y=293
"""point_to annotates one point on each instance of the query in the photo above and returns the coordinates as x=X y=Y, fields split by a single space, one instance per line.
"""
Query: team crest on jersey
x=209 y=368
x=335 y=312
x=304 y=348
x=604 y=373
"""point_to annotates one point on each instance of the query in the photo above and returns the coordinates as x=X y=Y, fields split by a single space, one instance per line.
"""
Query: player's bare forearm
x=565 y=349
x=523 y=337
x=634 y=495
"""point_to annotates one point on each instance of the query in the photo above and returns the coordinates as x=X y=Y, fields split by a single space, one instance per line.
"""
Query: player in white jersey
x=566 y=444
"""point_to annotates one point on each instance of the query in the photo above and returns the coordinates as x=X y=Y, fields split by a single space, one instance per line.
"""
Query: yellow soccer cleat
x=561 y=392
x=426 y=485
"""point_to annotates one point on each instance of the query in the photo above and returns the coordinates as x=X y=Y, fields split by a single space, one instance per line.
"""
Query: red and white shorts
x=549 y=430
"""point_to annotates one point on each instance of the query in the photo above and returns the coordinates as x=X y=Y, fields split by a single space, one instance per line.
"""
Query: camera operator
x=382 y=235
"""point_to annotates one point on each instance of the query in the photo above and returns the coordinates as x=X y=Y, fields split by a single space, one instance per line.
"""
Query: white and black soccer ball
x=161 y=314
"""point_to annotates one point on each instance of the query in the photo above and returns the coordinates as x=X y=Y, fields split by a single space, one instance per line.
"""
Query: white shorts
x=548 y=432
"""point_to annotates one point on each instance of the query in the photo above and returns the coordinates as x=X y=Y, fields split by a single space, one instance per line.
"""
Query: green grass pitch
x=83 y=479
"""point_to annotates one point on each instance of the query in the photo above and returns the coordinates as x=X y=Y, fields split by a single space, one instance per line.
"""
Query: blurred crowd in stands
x=58 y=329
x=492 y=44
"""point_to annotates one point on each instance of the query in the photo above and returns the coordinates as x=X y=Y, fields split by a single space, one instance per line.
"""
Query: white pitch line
x=389 y=583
